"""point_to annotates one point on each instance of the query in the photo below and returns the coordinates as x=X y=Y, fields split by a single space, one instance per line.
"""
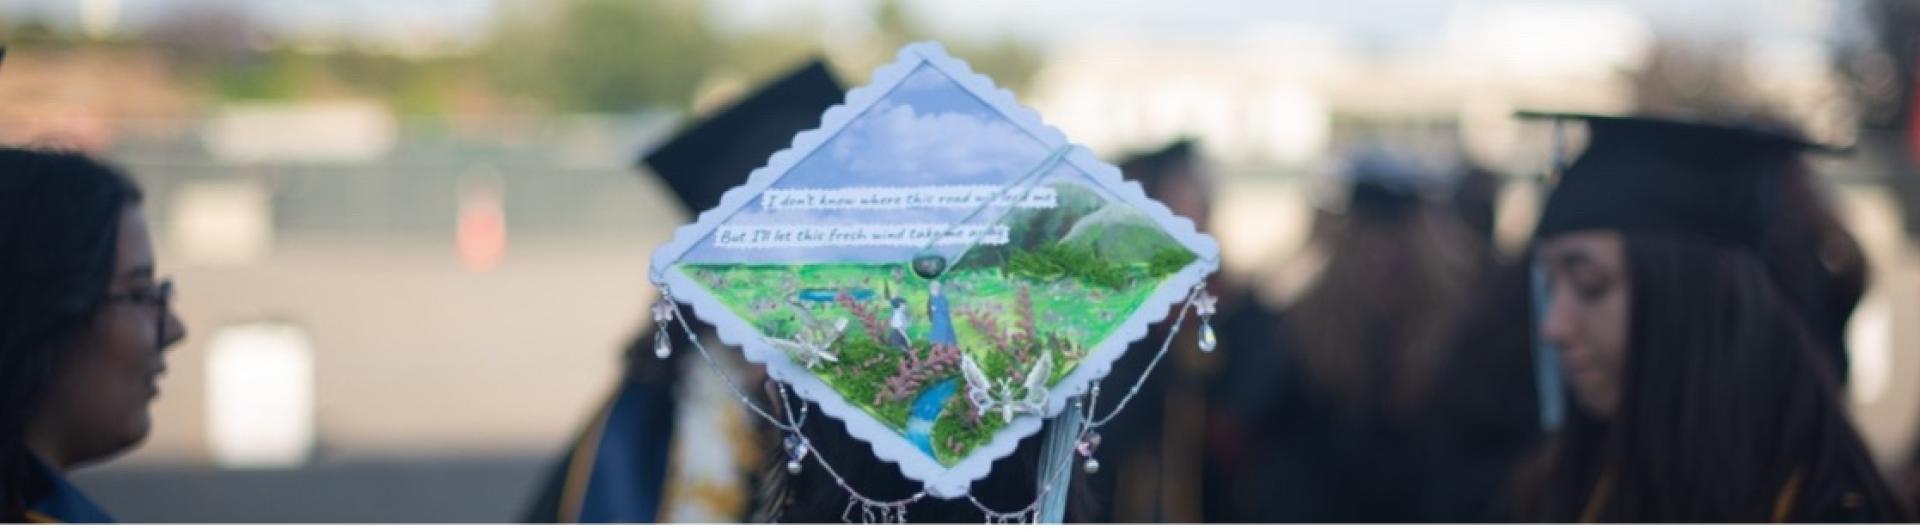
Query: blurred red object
x=481 y=234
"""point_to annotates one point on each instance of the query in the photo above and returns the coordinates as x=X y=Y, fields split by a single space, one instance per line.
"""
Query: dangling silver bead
x=1091 y=466
x=797 y=450
x=1207 y=341
x=662 y=314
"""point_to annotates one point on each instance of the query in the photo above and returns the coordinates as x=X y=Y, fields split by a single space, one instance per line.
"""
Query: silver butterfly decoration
x=812 y=344
x=1027 y=397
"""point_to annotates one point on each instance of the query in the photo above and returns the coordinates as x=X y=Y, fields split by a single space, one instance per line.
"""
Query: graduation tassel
x=1067 y=430
x=1546 y=359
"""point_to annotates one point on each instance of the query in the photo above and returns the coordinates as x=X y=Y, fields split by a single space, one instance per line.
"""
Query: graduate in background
x=84 y=326
x=1698 y=392
x=1486 y=415
x=1330 y=409
x=672 y=444
x=1157 y=468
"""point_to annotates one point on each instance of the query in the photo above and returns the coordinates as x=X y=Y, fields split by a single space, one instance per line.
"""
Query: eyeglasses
x=158 y=296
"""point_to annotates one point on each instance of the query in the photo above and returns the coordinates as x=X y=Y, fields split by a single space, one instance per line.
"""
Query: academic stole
x=715 y=452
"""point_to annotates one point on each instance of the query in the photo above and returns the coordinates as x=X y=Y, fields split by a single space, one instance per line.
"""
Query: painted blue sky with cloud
x=928 y=131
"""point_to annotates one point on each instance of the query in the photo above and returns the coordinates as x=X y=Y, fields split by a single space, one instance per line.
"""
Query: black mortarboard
x=713 y=155
x=1151 y=168
x=1383 y=182
x=1645 y=174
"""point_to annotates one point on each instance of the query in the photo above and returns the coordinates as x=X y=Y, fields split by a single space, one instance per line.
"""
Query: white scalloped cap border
x=888 y=445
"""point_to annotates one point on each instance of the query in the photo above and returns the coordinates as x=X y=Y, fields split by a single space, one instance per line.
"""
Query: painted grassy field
x=1004 y=320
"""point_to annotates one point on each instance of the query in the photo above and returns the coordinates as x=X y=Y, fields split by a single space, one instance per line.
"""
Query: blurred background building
x=410 y=237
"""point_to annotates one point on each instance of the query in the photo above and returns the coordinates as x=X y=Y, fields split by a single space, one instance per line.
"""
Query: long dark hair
x=814 y=496
x=1727 y=407
x=1820 y=268
x=59 y=227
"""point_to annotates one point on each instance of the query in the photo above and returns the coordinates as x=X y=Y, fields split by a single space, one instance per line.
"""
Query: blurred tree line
x=618 y=55
x=561 y=56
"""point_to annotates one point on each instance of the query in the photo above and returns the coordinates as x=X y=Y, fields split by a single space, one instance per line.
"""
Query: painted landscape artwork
x=937 y=260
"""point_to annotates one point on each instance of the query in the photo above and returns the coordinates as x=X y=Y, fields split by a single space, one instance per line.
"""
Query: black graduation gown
x=1309 y=462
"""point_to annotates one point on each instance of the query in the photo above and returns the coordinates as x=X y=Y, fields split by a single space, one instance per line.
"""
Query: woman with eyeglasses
x=83 y=327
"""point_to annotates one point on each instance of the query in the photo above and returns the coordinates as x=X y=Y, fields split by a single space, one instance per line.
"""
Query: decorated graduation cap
x=1639 y=174
x=714 y=155
x=1645 y=174
x=854 y=266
